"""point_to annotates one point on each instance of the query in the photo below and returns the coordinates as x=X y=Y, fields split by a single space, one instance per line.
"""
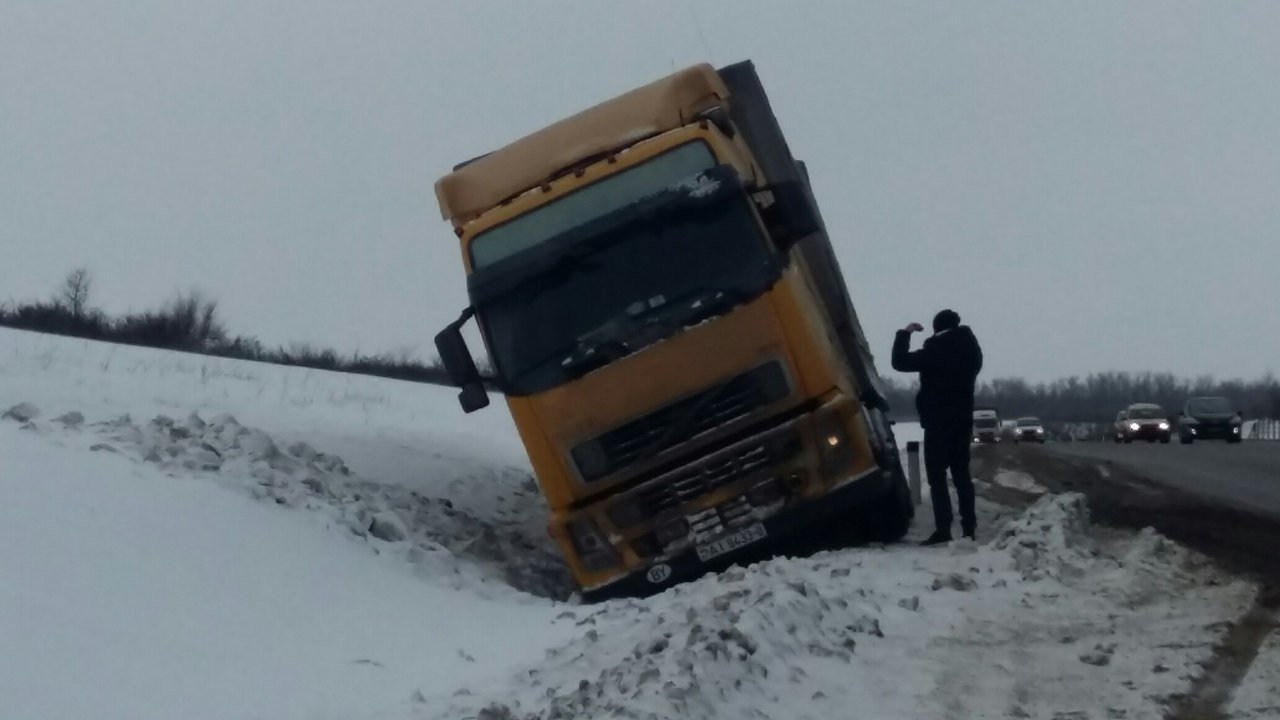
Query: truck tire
x=888 y=519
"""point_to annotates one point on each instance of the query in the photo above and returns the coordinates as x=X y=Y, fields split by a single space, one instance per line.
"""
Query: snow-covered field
x=191 y=537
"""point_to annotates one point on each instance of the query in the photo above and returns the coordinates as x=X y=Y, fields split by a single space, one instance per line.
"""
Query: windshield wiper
x=626 y=333
x=707 y=192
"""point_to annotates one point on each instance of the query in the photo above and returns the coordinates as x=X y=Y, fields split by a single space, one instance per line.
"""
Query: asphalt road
x=1246 y=474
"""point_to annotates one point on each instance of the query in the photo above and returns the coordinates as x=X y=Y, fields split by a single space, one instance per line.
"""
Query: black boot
x=939 y=537
x=971 y=534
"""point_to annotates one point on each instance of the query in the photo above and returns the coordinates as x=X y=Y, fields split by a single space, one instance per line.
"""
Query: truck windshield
x=984 y=423
x=661 y=269
x=590 y=202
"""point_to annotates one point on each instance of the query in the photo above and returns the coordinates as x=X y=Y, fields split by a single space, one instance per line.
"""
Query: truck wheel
x=888 y=519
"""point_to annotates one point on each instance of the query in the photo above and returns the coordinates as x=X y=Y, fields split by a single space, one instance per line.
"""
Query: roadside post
x=913 y=470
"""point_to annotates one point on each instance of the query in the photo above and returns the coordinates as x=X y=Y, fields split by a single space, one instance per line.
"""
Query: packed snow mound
x=1050 y=538
x=903 y=630
x=430 y=532
x=1019 y=481
x=708 y=649
x=711 y=650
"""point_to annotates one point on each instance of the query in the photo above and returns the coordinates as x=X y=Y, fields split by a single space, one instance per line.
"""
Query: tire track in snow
x=1212 y=691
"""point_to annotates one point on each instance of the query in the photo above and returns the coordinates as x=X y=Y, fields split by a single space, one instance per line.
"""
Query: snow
x=1041 y=621
x=905 y=432
x=1018 y=481
x=195 y=537
x=129 y=593
x=1259 y=694
x=698 y=186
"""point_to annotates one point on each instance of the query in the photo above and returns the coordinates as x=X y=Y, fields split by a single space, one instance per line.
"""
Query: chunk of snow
x=22 y=412
x=73 y=419
x=388 y=526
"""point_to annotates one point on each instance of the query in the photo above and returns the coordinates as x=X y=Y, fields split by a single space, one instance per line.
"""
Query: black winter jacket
x=948 y=365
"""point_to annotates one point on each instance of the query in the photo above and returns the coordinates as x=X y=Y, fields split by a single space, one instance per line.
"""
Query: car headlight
x=1135 y=426
x=1164 y=426
x=1039 y=431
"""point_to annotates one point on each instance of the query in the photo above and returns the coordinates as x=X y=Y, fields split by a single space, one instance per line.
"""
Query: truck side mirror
x=460 y=366
x=792 y=216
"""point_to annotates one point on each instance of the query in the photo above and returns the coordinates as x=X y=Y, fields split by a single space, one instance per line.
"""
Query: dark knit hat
x=946 y=320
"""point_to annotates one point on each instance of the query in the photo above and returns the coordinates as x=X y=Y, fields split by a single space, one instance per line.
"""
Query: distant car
x=1029 y=429
x=1143 y=421
x=1008 y=430
x=1209 y=418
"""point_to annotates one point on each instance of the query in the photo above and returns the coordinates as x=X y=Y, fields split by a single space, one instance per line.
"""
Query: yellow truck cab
x=666 y=319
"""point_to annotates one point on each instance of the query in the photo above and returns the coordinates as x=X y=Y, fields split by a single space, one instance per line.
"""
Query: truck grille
x=673 y=424
x=713 y=522
x=698 y=481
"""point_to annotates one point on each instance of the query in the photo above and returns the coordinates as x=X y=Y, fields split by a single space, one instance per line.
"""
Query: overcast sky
x=1092 y=186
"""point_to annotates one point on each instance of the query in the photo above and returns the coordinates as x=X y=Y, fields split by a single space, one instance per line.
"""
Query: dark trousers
x=947 y=448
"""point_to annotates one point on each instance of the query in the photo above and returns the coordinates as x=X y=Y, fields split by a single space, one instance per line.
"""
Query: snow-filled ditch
x=430 y=529
x=188 y=537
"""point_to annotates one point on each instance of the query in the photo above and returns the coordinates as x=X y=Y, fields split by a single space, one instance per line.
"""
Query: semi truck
x=666 y=319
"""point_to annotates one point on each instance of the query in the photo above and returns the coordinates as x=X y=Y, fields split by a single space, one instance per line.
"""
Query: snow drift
x=205 y=538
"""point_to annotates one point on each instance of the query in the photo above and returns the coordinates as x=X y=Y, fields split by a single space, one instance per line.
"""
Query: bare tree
x=74 y=294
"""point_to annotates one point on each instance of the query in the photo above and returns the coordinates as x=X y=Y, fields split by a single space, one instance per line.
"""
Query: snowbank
x=1015 y=628
x=129 y=592
x=205 y=538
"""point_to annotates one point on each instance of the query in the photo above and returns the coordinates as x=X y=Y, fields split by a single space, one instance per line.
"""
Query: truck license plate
x=731 y=542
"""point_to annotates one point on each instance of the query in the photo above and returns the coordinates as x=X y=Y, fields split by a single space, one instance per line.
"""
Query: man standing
x=948 y=365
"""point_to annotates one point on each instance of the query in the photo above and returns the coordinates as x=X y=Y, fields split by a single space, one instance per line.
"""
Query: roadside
x=1242 y=678
x=389 y=556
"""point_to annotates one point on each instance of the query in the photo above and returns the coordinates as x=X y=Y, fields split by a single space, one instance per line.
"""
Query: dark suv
x=1209 y=418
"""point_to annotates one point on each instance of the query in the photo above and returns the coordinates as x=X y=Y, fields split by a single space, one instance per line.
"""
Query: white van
x=986 y=425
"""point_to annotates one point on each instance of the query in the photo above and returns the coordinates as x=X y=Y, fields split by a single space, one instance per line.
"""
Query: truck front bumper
x=783 y=529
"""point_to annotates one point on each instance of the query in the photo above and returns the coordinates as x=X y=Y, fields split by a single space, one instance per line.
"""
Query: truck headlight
x=1164 y=426
x=591 y=459
x=593 y=549
x=833 y=442
x=626 y=512
x=1135 y=426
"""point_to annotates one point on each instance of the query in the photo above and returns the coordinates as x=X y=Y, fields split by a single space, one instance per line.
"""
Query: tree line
x=1096 y=398
x=190 y=322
